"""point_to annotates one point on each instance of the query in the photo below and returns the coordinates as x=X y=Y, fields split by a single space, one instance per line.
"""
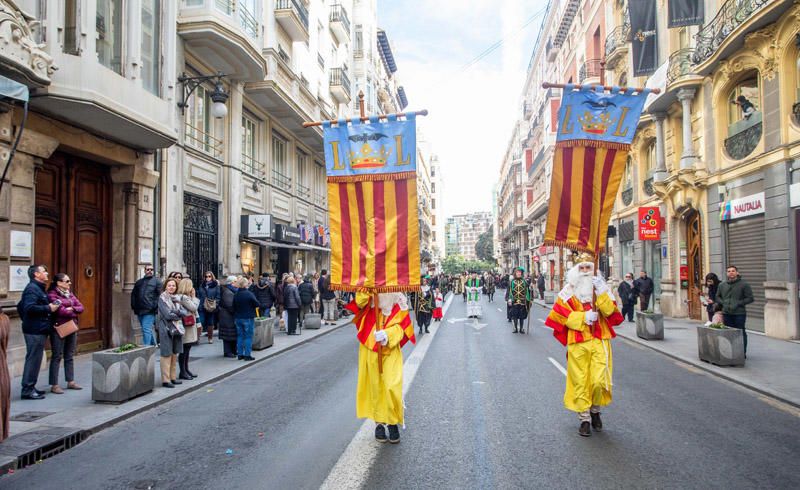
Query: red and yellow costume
x=589 y=357
x=379 y=395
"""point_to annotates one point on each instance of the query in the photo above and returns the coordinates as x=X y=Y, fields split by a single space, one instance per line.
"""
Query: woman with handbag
x=170 y=331
x=64 y=336
x=190 y=304
x=210 y=294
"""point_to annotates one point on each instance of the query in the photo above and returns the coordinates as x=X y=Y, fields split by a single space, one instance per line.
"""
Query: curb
x=705 y=368
x=6 y=464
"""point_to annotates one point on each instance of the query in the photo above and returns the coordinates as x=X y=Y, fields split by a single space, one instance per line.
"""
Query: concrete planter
x=263 y=333
x=549 y=297
x=720 y=346
x=649 y=326
x=312 y=321
x=119 y=376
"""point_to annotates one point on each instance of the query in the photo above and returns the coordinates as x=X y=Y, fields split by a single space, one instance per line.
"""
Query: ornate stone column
x=688 y=156
x=661 y=173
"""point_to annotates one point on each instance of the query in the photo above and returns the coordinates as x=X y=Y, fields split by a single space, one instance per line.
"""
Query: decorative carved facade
x=19 y=51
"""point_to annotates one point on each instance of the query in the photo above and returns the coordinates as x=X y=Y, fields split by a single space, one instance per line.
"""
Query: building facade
x=462 y=233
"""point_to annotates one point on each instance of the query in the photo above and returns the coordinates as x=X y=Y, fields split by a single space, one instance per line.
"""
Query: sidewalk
x=40 y=423
x=771 y=368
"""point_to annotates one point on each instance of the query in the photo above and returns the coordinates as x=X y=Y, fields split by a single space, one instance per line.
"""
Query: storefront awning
x=272 y=244
x=308 y=246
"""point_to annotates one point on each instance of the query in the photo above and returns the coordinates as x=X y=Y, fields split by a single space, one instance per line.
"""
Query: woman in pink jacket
x=69 y=309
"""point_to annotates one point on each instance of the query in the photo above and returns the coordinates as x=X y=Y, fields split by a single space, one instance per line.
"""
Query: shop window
x=744 y=118
x=109 y=34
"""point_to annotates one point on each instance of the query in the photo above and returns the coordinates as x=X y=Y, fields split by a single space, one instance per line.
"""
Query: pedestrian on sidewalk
x=540 y=285
x=279 y=301
x=627 y=294
x=315 y=306
x=210 y=295
x=191 y=304
x=328 y=297
x=63 y=348
x=227 y=324
x=264 y=292
x=306 y=290
x=170 y=332
x=5 y=377
x=36 y=311
x=710 y=298
x=244 y=313
x=292 y=304
x=734 y=295
x=144 y=302
x=644 y=286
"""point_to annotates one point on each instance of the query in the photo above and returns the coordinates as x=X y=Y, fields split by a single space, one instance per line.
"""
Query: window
x=433 y=185
x=279 y=163
x=151 y=42
x=250 y=147
x=650 y=158
x=303 y=188
x=745 y=100
x=109 y=34
x=433 y=203
x=71 y=17
x=198 y=124
x=358 y=44
x=627 y=177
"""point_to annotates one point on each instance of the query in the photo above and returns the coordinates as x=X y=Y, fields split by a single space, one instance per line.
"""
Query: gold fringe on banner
x=372 y=177
x=594 y=144
x=384 y=289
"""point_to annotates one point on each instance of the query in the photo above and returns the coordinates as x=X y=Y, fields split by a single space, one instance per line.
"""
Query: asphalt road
x=484 y=411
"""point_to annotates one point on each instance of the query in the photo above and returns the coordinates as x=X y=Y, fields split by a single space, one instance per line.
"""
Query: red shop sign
x=649 y=223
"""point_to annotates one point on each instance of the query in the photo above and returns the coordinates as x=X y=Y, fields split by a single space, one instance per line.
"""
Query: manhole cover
x=30 y=416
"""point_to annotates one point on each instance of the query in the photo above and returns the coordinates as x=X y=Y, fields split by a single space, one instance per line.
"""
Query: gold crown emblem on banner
x=368 y=158
x=595 y=124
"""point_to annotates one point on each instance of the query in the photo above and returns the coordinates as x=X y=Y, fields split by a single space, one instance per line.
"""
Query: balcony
x=648 y=186
x=283 y=95
x=551 y=51
x=617 y=44
x=527 y=110
x=280 y=180
x=627 y=196
x=226 y=35
x=591 y=71
x=340 y=23
x=744 y=137
x=340 y=85
x=680 y=65
x=293 y=17
x=253 y=167
x=567 y=15
x=725 y=34
x=303 y=192
x=199 y=139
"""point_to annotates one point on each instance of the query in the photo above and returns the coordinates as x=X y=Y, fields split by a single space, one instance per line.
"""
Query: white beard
x=584 y=287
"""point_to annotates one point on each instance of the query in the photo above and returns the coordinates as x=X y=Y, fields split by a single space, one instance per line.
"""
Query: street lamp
x=218 y=96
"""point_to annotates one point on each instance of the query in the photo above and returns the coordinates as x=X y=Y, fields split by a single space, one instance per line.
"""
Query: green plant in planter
x=717 y=325
x=648 y=312
x=125 y=348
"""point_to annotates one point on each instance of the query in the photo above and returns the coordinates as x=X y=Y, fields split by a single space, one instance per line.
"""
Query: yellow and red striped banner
x=583 y=188
x=374 y=229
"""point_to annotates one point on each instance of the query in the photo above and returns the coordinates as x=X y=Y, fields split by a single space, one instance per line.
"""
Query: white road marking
x=355 y=463
x=541 y=320
x=500 y=310
x=479 y=382
x=558 y=366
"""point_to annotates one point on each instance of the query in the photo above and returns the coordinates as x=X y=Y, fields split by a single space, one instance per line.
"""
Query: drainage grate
x=30 y=416
x=39 y=444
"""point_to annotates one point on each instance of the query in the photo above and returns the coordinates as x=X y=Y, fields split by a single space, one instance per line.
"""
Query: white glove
x=590 y=317
x=381 y=337
x=599 y=284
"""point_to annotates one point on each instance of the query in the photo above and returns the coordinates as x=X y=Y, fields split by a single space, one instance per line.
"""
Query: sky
x=473 y=109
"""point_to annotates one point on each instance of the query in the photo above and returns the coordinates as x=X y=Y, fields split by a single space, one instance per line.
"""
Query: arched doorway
x=694 y=262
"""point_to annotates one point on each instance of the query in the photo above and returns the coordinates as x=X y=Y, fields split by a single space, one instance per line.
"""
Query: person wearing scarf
x=69 y=309
x=169 y=317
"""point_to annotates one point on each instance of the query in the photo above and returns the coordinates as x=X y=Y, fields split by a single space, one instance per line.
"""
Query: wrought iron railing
x=730 y=16
x=680 y=64
x=617 y=38
x=303 y=191
x=247 y=20
x=296 y=6
x=339 y=14
x=203 y=141
x=280 y=180
x=358 y=53
x=320 y=61
x=253 y=167
x=320 y=199
x=339 y=77
x=225 y=6
x=590 y=69
x=627 y=196
x=648 y=186
x=741 y=144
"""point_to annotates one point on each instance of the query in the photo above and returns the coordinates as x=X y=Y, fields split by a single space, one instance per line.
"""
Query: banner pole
x=363 y=115
x=604 y=87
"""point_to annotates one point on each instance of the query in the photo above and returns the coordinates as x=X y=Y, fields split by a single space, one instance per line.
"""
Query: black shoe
x=39 y=392
x=239 y=357
x=168 y=385
x=33 y=396
x=597 y=424
x=584 y=430
x=521 y=330
x=515 y=330
x=427 y=331
x=191 y=374
x=394 y=434
x=176 y=382
x=380 y=433
x=249 y=358
x=185 y=376
x=230 y=356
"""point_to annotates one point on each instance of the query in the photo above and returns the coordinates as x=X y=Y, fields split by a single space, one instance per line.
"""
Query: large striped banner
x=372 y=204
x=594 y=134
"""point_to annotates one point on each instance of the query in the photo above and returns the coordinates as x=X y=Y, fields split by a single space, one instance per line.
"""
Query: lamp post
x=218 y=96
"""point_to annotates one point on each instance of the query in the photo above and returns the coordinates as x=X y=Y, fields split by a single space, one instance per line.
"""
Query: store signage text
x=257 y=225
x=744 y=206
x=286 y=233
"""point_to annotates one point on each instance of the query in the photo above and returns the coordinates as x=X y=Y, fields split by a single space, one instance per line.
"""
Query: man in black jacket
x=627 y=294
x=306 y=290
x=144 y=302
x=265 y=293
x=644 y=285
x=36 y=310
x=328 y=297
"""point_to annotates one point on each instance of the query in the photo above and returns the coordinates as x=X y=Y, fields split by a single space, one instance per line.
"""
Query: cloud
x=472 y=111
